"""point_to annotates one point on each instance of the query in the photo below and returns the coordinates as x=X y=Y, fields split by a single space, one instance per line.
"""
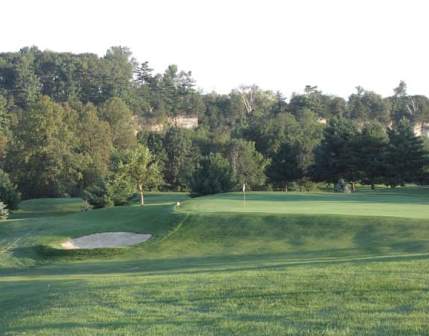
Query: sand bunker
x=105 y=239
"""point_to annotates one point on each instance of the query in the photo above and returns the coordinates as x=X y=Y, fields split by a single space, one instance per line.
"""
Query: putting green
x=405 y=202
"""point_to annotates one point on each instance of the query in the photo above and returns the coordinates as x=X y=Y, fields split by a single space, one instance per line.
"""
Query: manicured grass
x=213 y=268
x=401 y=202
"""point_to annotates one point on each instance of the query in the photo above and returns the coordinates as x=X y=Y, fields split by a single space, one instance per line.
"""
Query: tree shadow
x=211 y=264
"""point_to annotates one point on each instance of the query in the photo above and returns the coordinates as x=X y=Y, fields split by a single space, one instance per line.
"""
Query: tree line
x=77 y=124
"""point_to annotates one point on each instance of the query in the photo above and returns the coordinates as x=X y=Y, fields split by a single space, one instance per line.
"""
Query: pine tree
x=405 y=156
x=335 y=157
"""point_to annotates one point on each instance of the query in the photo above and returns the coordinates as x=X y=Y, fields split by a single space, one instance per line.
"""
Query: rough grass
x=214 y=268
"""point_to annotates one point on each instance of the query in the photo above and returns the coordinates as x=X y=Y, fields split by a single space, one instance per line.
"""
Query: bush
x=292 y=186
x=4 y=213
x=97 y=195
x=120 y=191
x=307 y=185
x=8 y=192
x=342 y=186
x=106 y=193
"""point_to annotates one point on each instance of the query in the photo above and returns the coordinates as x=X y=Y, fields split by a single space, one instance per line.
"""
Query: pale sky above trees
x=278 y=45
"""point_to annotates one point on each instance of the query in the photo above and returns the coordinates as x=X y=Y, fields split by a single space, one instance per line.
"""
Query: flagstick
x=244 y=194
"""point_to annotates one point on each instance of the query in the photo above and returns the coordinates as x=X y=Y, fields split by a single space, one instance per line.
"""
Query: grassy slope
x=223 y=273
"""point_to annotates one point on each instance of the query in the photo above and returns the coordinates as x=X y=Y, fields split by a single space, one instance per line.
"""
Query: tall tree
x=43 y=162
x=334 y=156
x=285 y=166
x=94 y=144
x=366 y=105
x=369 y=153
x=124 y=129
x=306 y=140
x=270 y=134
x=401 y=104
x=180 y=158
x=119 y=67
x=4 y=126
x=248 y=165
x=405 y=155
x=27 y=84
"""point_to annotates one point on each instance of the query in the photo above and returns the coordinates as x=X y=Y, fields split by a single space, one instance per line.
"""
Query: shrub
x=106 y=193
x=307 y=185
x=292 y=186
x=97 y=194
x=4 y=213
x=120 y=191
x=342 y=186
x=8 y=192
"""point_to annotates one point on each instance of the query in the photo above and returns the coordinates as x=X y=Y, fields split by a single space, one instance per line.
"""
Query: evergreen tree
x=334 y=156
x=369 y=148
x=405 y=155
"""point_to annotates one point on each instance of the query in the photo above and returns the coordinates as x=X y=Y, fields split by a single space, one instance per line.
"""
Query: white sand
x=105 y=239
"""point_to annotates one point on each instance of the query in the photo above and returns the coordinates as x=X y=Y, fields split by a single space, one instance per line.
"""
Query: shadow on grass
x=399 y=238
x=211 y=264
x=47 y=253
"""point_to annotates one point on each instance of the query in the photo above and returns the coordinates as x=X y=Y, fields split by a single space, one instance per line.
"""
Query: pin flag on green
x=244 y=193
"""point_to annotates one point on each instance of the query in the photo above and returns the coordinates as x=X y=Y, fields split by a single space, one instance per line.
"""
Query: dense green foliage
x=214 y=175
x=215 y=269
x=8 y=192
x=98 y=194
x=140 y=168
x=179 y=160
x=66 y=118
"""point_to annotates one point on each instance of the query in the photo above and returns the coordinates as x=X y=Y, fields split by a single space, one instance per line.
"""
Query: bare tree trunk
x=141 y=195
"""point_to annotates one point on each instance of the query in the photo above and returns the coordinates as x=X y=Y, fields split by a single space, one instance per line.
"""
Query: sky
x=277 y=45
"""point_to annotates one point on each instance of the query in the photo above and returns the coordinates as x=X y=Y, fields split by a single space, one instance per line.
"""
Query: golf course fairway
x=274 y=264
